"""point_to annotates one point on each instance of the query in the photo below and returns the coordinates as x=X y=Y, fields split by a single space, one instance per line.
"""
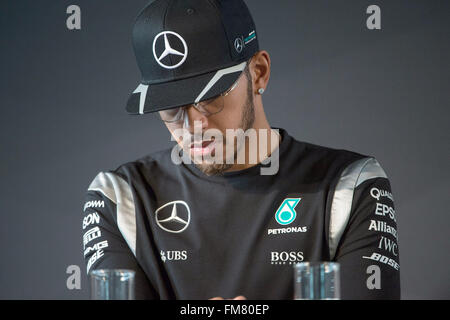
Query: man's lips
x=203 y=147
x=200 y=144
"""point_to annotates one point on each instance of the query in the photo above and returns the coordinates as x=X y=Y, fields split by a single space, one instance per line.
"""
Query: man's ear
x=260 y=70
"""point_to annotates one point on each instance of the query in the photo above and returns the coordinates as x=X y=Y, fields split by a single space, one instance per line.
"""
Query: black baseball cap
x=189 y=51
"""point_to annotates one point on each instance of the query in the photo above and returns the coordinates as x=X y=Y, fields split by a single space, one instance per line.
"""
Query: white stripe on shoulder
x=352 y=176
x=118 y=191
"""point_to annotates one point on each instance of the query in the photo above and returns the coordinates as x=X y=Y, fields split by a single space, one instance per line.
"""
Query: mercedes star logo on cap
x=168 y=50
x=221 y=38
x=238 y=45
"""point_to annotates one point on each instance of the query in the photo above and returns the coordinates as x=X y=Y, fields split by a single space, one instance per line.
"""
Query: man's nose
x=192 y=115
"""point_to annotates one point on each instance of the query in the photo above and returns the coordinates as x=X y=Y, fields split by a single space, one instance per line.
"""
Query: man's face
x=237 y=113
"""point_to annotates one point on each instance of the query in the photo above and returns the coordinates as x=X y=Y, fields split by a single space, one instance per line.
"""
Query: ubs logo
x=173 y=255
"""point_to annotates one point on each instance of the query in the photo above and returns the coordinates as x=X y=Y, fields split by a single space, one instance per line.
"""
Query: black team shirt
x=192 y=236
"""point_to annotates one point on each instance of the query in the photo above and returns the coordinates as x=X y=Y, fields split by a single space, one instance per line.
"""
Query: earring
x=261 y=90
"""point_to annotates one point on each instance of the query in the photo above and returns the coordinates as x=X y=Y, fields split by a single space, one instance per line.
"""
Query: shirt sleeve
x=367 y=249
x=104 y=244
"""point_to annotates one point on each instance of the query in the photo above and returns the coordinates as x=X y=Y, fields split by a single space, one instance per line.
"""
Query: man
x=216 y=227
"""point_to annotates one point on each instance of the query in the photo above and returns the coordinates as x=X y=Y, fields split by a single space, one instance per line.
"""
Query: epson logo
x=91 y=218
x=286 y=257
x=94 y=204
x=382 y=210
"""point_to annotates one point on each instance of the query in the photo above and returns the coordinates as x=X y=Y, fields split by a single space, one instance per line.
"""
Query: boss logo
x=286 y=257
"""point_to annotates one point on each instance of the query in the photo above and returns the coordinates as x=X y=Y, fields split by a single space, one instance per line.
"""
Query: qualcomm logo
x=169 y=50
x=286 y=213
x=179 y=217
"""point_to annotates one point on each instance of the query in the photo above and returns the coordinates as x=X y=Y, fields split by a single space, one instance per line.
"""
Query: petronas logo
x=286 y=213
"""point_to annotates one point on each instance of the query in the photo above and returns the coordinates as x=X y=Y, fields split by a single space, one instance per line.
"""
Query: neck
x=257 y=147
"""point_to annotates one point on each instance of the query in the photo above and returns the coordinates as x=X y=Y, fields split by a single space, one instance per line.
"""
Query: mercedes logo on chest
x=176 y=41
x=173 y=217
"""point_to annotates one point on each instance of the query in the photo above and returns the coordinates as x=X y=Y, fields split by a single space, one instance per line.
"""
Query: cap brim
x=161 y=96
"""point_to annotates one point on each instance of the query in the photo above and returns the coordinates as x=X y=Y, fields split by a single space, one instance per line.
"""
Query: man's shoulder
x=341 y=165
x=160 y=157
x=319 y=148
x=327 y=156
x=152 y=163
x=140 y=168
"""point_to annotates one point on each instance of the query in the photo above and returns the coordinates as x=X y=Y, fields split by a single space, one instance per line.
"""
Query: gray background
x=334 y=83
